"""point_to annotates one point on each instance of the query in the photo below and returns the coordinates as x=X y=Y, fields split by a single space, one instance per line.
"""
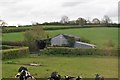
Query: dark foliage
x=79 y=51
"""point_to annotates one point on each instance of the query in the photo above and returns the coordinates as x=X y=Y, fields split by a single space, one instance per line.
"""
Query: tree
x=106 y=20
x=81 y=21
x=96 y=21
x=2 y=23
x=32 y=36
x=64 y=20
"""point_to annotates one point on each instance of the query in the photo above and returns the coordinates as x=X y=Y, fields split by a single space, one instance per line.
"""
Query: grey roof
x=76 y=37
x=85 y=43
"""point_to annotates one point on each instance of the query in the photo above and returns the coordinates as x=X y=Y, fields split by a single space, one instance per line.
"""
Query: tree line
x=105 y=21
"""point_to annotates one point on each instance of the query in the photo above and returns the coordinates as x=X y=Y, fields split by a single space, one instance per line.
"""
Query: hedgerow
x=10 y=30
x=15 y=53
x=7 y=30
x=8 y=47
x=79 y=51
x=14 y=43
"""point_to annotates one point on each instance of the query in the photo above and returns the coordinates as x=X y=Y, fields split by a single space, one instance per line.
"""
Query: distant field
x=18 y=36
x=97 y=36
x=86 y=66
x=45 y=26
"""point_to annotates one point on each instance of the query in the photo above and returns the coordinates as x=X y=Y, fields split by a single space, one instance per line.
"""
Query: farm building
x=64 y=39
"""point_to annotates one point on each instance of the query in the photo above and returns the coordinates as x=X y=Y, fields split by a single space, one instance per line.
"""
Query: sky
x=16 y=12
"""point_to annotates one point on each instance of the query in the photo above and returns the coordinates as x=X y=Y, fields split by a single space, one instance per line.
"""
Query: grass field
x=97 y=36
x=86 y=66
x=18 y=36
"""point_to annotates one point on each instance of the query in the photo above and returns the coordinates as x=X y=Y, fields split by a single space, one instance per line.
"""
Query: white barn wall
x=59 y=40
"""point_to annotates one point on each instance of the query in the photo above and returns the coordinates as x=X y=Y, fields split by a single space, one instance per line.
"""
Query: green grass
x=18 y=36
x=86 y=66
x=97 y=36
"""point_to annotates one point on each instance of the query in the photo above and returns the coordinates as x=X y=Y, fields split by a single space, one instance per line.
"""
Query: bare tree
x=106 y=20
x=2 y=23
x=64 y=20
x=96 y=21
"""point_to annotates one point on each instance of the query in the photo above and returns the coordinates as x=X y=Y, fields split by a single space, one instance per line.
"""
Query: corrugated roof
x=70 y=35
x=76 y=37
x=84 y=43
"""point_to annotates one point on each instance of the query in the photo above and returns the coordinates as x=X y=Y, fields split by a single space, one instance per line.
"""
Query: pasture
x=86 y=66
x=18 y=36
x=98 y=36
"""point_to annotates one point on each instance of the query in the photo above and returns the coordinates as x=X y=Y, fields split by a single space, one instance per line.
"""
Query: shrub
x=15 y=53
x=79 y=51
x=31 y=36
x=71 y=41
x=109 y=44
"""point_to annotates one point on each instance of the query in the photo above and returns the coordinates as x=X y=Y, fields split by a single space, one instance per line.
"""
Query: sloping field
x=98 y=36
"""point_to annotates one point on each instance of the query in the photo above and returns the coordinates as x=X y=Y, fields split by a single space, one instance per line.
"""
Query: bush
x=79 y=51
x=109 y=44
x=32 y=36
x=15 y=53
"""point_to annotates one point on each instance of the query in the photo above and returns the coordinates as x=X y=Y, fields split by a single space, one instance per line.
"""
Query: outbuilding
x=65 y=39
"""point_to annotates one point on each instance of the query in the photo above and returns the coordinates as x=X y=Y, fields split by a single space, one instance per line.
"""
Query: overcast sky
x=28 y=11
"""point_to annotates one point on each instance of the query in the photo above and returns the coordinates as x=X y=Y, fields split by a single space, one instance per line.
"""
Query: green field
x=97 y=36
x=18 y=36
x=86 y=66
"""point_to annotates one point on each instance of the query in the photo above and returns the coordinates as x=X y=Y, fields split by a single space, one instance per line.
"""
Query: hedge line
x=22 y=29
x=14 y=43
x=7 y=30
x=10 y=30
x=15 y=53
x=78 y=51
x=8 y=47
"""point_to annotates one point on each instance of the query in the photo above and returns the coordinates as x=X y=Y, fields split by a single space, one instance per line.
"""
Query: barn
x=64 y=39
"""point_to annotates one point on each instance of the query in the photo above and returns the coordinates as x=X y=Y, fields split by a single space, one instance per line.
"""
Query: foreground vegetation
x=86 y=66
